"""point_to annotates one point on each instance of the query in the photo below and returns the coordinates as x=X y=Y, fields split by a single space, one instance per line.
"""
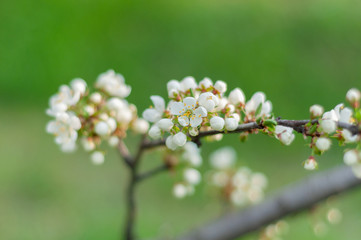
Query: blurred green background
x=298 y=52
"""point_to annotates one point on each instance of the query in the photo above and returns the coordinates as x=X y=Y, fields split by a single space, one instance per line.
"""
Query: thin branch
x=152 y=172
x=294 y=198
x=297 y=125
x=124 y=153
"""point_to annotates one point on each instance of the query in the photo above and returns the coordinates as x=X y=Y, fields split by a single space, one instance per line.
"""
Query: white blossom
x=65 y=127
x=223 y=158
x=140 y=126
x=349 y=137
x=192 y=176
x=179 y=139
x=217 y=123
x=310 y=164
x=88 y=144
x=188 y=113
x=113 y=141
x=90 y=110
x=259 y=179
x=205 y=83
x=96 y=98
x=165 y=124
x=61 y=101
x=238 y=198
x=170 y=144
x=323 y=144
x=353 y=95
x=104 y=128
x=78 y=85
x=154 y=132
x=284 y=134
x=193 y=131
x=328 y=126
x=97 y=158
x=236 y=96
x=156 y=113
x=231 y=124
x=113 y=84
x=351 y=157
x=316 y=111
x=220 y=86
x=220 y=179
x=180 y=190
x=253 y=104
x=188 y=83
x=208 y=100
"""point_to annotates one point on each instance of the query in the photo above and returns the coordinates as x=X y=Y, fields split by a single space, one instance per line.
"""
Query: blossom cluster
x=328 y=127
x=240 y=186
x=93 y=117
x=194 y=107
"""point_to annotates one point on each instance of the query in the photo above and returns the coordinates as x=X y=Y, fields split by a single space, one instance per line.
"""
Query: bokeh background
x=298 y=52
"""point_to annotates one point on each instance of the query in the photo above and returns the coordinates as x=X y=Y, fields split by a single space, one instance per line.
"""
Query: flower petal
x=183 y=120
x=158 y=103
x=189 y=102
x=195 y=120
x=177 y=108
x=151 y=115
x=200 y=112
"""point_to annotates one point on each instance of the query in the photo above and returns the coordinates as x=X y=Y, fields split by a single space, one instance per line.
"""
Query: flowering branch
x=294 y=198
x=193 y=112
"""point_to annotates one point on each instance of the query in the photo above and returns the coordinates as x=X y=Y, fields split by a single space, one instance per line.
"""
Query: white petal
x=180 y=139
x=195 y=120
x=173 y=85
x=158 y=103
x=51 y=127
x=200 y=112
x=151 y=115
x=170 y=144
x=183 y=120
x=188 y=83
x=189 y=102
x=177 y=108
x=220 y=86
x=154 y=132
x=231 y=124
x=217 y=123
x=165 y=124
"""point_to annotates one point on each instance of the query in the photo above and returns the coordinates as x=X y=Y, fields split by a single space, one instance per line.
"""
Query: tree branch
x=297 y=125
x=294 y=198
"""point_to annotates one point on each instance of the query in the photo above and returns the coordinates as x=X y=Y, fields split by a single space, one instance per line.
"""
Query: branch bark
x=294 y=198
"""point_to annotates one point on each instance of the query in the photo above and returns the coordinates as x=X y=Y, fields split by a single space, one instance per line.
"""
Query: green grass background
x=298 y=52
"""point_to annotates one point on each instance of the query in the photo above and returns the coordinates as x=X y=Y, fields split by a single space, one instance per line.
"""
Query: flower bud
x=90 y=110
x=78 y=85
x=165 y=124
x=193 y=131
x=323 y=144
x=231 y=124
x=205 y=83
x=316 y=111
x=188 y=83
x=154 y=132
x=102 y=128
x=140 y=126
x=328 y=126
x=310 y=164
x=97 y=158
x=236 y=96
x=179 y=190
x=217 y=123
x=113 y=141
x=170 y=144
x=220 y=86
x=192 y=176
x=173 y=85
x=180 y=139
x=88 y=144
x=112 y=124
x=96 y=97
x=284 y=134
x=353 y=96
x=351 y=157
